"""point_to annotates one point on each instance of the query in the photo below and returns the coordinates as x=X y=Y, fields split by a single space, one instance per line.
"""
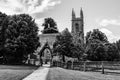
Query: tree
x=118 y=46
x=21 y=37
x=112 y=52
x=77 y=51
x=95 y=51
x=49 y=26
x=96 y=35
x=2 y=17
x=95 y=45
x=99 y=49
x=2 y=20
x=63 y=44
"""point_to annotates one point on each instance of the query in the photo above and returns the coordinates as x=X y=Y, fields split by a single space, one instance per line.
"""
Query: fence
x=33 y=62
x=88 y=66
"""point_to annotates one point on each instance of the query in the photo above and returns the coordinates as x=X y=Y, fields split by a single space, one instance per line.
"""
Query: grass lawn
x=63 y=74
x=15 y=72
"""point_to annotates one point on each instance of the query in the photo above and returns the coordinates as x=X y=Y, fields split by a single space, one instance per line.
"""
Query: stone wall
x=50 y=38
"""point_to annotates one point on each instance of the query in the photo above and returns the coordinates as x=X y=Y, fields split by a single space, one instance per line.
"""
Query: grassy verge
x=15 y=72
x=63 y=74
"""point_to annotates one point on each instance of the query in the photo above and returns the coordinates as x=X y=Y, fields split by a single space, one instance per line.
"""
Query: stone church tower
x=78 y=28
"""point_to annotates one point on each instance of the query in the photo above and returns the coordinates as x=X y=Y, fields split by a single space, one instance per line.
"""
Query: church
x=47 y=40
x=78 y=28
x=77 y=31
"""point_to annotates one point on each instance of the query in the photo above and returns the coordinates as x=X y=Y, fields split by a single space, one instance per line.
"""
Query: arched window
x=77 y=27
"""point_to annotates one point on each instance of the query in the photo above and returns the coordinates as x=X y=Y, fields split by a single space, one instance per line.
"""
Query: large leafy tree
x=20 y=37
x=63 y=44
x=96 y=35
x=77 y=51
x=50 y=26
x=95 y=51
x=99 y=49
x=95 y=45
x=118 y=45
x=2 y=19
x=112 y=52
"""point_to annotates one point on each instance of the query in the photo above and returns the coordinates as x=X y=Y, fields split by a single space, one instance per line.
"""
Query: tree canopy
x=96 y=35
x=98 y=47
x=64 y=46
x=118 y=45
x=50 y=26
x=112 y=52
x=20 y=35
x=3 y=17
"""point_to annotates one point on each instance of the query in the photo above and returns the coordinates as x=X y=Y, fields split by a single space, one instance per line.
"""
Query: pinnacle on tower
x=73 y=14
x=81 y=13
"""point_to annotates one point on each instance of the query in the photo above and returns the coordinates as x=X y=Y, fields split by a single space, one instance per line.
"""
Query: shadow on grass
x=108 y=72
x=112 y=73
x=18 y=67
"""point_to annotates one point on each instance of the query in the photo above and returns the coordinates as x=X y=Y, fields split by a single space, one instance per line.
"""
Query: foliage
x=98 y=48
x=118 y=46
x=77 y=51
x=64 y=46
x=95 y=51
x=49 y=26
x=20 y=37
x=112 y=52
x=96 y=35
x=2 y=19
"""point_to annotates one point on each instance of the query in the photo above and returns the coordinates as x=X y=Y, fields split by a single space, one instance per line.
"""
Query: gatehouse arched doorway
x=45 y=54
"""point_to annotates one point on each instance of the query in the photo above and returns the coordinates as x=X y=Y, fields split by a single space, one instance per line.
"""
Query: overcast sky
x=101 y=14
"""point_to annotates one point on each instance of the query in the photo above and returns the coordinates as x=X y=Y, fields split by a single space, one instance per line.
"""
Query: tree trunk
x=78 y=58
x=63 y=57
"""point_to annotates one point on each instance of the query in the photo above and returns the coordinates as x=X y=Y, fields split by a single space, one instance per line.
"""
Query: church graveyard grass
x=90 y=66
x=15 y=72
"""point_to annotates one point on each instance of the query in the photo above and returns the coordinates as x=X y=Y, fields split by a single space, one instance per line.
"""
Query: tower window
x=77 y=27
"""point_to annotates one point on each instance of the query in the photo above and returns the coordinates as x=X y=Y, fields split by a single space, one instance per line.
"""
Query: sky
x=98 y=14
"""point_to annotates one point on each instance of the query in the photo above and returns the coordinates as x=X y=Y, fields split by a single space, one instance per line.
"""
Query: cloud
x=110 y=35
x=31 y=7
x=10 y=6
x=106 y=22
x=26 y=6
x=34 y=6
